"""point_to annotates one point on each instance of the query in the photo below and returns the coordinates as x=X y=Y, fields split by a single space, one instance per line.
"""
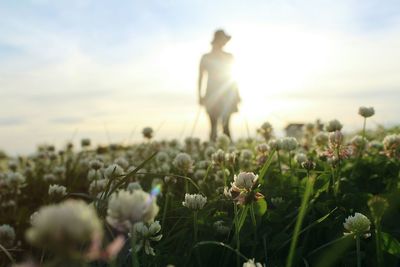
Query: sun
x=276 y=63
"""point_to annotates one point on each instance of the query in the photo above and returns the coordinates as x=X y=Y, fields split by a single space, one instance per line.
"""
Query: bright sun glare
x=275 y=63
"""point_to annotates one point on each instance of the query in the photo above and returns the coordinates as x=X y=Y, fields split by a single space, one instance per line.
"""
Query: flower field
x=323 y=199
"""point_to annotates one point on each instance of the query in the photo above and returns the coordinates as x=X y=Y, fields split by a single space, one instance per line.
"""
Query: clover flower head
x=321 y=139
x=132 y=186
x=252 y=263
x=221 y=227
x=333 y=126
x=366 y=112
x=377 y=205
x=66 y=228
x=96 y=164
x=194 y=201
x=148 y=132
x=145 y=233
x=127 y=208
x=113 y=170
x=300 y=158
x=183 y=162
x=162 y=157
x=85 y=142
x=391 y=145
x=358 y=224
x=289 y=143
x=262 y=148
x=122 y=161
x=57 y=191
x=245 y=180
x=223 y=141
x=7 y=236
x=97 y=186
x=218 y=158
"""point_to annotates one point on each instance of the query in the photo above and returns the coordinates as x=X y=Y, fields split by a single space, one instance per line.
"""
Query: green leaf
x=260 y=207
x=390 y=244
x=265 y=167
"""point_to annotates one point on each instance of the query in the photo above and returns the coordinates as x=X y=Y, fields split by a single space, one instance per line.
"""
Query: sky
x=105 y=69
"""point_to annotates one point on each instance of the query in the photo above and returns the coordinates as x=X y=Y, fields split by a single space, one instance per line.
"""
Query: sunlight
x=276 y=63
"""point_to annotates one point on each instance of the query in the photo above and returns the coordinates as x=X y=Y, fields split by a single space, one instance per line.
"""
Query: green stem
x=358 y=251
x=195 y=226
x=378 y=244
x=7 y=254
x=363 y=132
x=135 y=260
x=165 y=209
x=299 y=221
x=279 y=161
x=253 y=219
x=237 y=237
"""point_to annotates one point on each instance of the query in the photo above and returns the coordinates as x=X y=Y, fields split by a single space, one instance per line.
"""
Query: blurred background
x=105 y=69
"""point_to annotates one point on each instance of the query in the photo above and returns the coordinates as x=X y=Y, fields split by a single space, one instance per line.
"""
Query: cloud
x=12 y=121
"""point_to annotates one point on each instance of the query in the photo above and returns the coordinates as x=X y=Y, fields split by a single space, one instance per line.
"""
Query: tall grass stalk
x=358 y=251
x=300 y=217
x=135 y=260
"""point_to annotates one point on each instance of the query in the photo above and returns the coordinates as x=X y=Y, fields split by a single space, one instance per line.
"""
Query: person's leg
x=213 y=123
x=225 y=124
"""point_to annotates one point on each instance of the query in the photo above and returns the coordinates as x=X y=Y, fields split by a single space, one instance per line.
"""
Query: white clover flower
x=7 y=236
x=94 y=174
x=276 y=201
x=14 y=179
x=200 y=174
x=97 y=186
x=300 y=158
x=358 y=224
x=252 y=263
x=96 y=164
x=262 y=148
x=148 y=132
x=245 y=180
x=127 y=208
x=358 y=142
x=265 y=130
x=275 y=144
x=162 y=157
x=221 y=227
x=321 y=139
x=366 y=112
x=246 y=155
x=132 y=186
x=333 y=125
x=146 y=233
x=123 y=162
x=57 y=191
x=336 y=138
x=289 y=143
x=391 y=145
x=66 y=228
x=85 y=142
x=208 y=152
x=218 y=158
x=49 y=177
x=114 y=170
x=194 y=201
x=223 y=141
x=183 y=162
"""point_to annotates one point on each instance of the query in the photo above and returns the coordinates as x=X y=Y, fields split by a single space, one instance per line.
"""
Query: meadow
x=323 y=199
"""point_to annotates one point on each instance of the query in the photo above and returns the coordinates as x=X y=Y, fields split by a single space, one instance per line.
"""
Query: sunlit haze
x=106 y=69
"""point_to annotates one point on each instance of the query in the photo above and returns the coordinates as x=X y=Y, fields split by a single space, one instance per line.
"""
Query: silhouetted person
x=221 y=97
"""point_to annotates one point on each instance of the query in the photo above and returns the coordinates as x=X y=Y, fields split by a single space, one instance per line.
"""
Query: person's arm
x=200 y=81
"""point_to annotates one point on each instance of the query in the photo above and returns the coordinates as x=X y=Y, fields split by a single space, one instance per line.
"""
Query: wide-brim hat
x=220 y=37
